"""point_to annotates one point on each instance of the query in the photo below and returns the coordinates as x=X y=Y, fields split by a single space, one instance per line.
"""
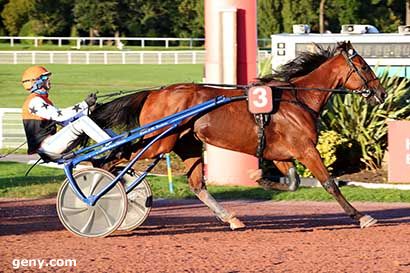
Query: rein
x=247 y=86
x=125 y=92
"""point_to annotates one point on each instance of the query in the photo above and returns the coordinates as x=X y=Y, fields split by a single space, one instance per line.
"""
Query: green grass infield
x=72 y=83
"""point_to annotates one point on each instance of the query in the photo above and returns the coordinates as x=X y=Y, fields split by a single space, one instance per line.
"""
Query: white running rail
x=107 y=57
x=11 y=128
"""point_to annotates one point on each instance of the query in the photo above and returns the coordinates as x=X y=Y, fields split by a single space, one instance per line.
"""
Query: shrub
x=354 y=119
x=74 y=33
x=265 y=66
x=28 y=29
x=332 y=148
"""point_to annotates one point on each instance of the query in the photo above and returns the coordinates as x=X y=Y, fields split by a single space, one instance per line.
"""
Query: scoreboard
x=382 y=50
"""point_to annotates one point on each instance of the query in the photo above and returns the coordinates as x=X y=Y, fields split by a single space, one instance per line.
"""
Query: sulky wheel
x=139 y=202
x=92 y=221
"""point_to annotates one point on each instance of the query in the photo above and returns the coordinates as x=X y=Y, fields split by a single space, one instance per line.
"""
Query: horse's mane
x=303 y=64
x=123 y=111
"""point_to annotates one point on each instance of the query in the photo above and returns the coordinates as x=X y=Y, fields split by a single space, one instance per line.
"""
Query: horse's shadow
x=171 y=225
x=43 y=217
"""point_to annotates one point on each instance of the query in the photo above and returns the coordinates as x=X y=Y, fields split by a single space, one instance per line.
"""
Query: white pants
x=59 y=142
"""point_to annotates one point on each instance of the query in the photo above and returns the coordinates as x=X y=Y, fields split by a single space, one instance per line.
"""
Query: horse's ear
x=341 y=46
x=350 y=50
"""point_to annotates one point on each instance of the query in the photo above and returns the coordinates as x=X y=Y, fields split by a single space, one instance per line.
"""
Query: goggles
x=44 y=77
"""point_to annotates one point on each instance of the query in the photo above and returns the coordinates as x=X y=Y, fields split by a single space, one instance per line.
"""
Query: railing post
x=1 y=128
x=69 y=57
x=175 y=58
x=60 y=43
x=35 y=42
x=51 y=57
x=33 y=57
x=87 y=57
x=78 y=43
x=105 y=58
x=15 y=57
x=194 y=57
x=141 y=57
x=11 y=41
x=159 y=58
x=101 y=42
x=142 y=42
x=190 y=43
x=123 y=60
x=166 y=43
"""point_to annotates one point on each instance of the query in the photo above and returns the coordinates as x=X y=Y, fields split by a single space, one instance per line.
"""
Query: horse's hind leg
x=190 y=151
x=311 y=159
x=288 y=168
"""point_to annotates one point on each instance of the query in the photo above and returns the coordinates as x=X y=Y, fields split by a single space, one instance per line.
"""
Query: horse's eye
x=365 y=68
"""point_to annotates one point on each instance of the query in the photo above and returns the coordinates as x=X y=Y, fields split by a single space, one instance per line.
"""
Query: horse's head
x=359 y=76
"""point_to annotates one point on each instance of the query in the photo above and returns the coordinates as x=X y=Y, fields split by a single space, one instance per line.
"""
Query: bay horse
x=291 y=132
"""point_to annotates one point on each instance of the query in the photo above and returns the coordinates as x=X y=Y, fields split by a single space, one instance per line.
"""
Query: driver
x=40 y=117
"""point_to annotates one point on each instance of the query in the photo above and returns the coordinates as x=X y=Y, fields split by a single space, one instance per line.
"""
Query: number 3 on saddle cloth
x=260 y=100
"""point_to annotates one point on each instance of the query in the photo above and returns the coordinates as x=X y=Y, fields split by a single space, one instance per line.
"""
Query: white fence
x=107 y=57
x=118 y=41
x=101 y=41
x=102 y=57
x=11 y=128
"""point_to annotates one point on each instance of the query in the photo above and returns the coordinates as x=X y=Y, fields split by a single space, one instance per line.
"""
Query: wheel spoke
x=136 y=206
x=107 y=218
x=139 y=193
x=97 y=177
x=73 y=211
x=112 y=196
x=86 y=228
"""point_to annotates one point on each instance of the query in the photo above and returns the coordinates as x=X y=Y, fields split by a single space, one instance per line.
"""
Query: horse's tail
x=122 y=112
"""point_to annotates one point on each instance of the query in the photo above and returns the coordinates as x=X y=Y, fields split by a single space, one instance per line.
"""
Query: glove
x=91 y=99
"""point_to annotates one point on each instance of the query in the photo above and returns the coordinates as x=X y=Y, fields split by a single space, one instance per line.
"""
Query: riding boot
x=116 y=154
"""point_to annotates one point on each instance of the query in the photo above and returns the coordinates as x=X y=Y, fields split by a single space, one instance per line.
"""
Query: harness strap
x=261 y=120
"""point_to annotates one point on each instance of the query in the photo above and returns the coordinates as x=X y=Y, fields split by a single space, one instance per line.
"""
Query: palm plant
x=355 y=120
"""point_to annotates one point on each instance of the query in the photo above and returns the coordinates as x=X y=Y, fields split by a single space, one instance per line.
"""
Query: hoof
x=255 y=175
x=236 y=224
x=367 y=221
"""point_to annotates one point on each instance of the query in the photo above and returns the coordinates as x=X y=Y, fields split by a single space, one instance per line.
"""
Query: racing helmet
x=34 y=74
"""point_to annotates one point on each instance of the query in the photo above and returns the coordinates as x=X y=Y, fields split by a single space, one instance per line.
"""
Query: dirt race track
x=183 y=236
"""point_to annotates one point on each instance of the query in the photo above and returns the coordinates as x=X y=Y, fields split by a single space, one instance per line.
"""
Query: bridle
x=349 y=55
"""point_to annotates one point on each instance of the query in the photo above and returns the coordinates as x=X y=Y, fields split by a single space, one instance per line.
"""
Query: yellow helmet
x=32 y=74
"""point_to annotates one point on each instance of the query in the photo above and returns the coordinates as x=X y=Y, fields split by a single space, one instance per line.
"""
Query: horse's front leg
x=191 y=156
x=311 y=159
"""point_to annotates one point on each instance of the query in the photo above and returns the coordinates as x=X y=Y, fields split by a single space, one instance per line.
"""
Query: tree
x=158 y=17
x=386 y=15
x=130 y=15
x=50 y=18
x=407 y=12
x=97 y=16
x=15 y=14
x=270 y=19
x=2 y=28
x=190 y=19
x=322 y=16
x=300 y=12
